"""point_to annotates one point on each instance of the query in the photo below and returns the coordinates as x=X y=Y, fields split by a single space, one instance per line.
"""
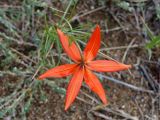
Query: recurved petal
x=107 y=66
x=95 y=85
x=59 y=71
x=74 y=87
x=93 y=45
x=70 y=48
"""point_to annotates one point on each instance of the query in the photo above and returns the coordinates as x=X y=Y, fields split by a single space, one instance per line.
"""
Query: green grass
x=45 y=38
x=28 y=25
x=29 y=45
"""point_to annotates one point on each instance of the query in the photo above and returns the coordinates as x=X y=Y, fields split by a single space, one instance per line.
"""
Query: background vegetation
x=29 y=45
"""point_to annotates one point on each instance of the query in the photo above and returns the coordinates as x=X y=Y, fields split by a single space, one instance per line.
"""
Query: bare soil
x=124 y=101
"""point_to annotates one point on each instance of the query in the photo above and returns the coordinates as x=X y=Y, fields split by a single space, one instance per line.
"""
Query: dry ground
x=132 y=95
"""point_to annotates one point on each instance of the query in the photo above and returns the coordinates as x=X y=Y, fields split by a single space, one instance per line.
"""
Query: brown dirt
x=132 y=102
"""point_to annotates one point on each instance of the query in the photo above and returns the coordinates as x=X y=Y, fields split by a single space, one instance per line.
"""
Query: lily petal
x=107 y=66
x=95 y=85
x=70 y=48
x=93 y=45
x=74 y=87
x=59 y=71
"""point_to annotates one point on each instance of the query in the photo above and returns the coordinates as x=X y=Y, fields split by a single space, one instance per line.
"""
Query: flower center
x=82 y=63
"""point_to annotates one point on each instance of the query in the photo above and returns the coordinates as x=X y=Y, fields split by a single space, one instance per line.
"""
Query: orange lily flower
x=83 y=66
